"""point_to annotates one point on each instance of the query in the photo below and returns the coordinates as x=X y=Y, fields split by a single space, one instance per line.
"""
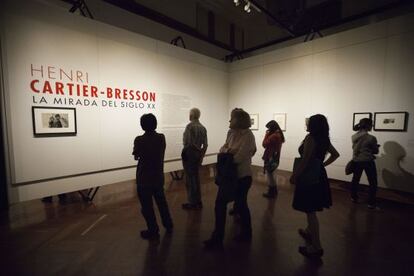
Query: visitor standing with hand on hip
x=364 y=146
x=312 y=190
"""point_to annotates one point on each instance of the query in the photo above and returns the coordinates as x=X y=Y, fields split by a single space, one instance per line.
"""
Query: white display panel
x=55 y=59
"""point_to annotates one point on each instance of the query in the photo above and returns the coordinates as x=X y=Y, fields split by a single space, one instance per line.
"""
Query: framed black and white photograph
x=390 y=121
x=53 y=121
x=360 y=115
x=280 y=118
x=254 y=118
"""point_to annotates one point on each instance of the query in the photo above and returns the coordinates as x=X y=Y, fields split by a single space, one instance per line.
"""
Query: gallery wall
x=363 y=70
x=368 y=69
x=41 y=45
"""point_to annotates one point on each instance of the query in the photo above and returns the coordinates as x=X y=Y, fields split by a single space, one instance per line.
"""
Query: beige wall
x=368 y=69
x=363 y=70
x=112 y=57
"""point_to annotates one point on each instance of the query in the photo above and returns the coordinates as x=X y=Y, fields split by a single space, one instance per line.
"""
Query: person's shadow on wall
x=394 y=175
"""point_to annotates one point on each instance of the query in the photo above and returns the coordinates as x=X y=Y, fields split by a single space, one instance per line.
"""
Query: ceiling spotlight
x=236 y=2
x=247 y=7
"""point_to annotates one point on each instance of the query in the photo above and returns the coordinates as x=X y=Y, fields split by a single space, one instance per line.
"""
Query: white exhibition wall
x=368 y=69
x=38 y=43
x=362 y=70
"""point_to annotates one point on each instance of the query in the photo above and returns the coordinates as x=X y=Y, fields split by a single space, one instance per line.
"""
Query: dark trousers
x=191 y=163
x=371 y=172
x=145 y=195
x=240 y=203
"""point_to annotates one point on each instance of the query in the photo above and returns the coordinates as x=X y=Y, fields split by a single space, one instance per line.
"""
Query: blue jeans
x=240 y=203
x=371 y=172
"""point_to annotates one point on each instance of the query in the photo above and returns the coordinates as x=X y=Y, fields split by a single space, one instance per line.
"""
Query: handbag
x=226 y=177
x=272 y=164
x=350 y=167
x=312 y=173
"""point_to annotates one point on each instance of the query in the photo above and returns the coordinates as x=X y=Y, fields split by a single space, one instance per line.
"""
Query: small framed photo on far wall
x=358 y=116
x=280 y=118
x=254 y=118
x=390 y=121
x=53 y=121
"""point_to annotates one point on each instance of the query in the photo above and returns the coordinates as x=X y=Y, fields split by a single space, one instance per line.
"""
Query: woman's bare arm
x=333 y=155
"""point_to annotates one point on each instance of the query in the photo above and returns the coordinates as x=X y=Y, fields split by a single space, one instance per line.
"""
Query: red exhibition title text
x=57 y=81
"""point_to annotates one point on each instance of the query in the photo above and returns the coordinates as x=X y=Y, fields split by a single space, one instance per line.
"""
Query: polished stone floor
x=102 y=238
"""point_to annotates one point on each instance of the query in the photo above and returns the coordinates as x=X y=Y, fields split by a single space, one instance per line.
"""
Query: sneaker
x=269 y=195
x=189 y=206
x=305 y=235
x=47 y=199
x=271 y=192
x=374 y=208
x=149 y=235
x=212 y=244
x=309 y=254
x=243 y=238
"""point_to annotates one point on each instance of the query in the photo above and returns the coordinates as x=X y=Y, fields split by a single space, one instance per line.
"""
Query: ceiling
x=238 y=34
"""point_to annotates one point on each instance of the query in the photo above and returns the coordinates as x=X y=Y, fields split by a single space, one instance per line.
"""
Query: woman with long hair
x=364 y=147
x=272 y=143
x=312 y=191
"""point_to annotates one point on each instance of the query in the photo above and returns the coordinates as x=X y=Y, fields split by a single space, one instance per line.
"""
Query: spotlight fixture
x=247 y=7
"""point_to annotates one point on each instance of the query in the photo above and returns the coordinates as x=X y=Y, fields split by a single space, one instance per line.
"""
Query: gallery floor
x=102 y=238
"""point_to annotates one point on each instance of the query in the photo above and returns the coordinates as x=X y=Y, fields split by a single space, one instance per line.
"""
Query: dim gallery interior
x=76 y=76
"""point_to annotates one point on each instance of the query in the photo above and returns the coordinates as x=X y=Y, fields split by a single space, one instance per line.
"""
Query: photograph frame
x=50 y=121
x=280 y=118
x=254 y=118
x=400 y=121
x=358 y=116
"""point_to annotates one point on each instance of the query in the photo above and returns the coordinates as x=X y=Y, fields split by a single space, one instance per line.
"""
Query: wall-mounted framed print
x=254 y=118
x=280 y=118
x=390 y=121
x=53 y=121
x=358 y=116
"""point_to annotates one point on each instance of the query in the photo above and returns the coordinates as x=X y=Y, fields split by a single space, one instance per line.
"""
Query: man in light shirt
x=195 y=147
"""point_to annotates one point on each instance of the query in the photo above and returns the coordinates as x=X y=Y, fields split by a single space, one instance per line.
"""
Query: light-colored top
x=241 y=143
x=364 y=146
x=195 y=134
